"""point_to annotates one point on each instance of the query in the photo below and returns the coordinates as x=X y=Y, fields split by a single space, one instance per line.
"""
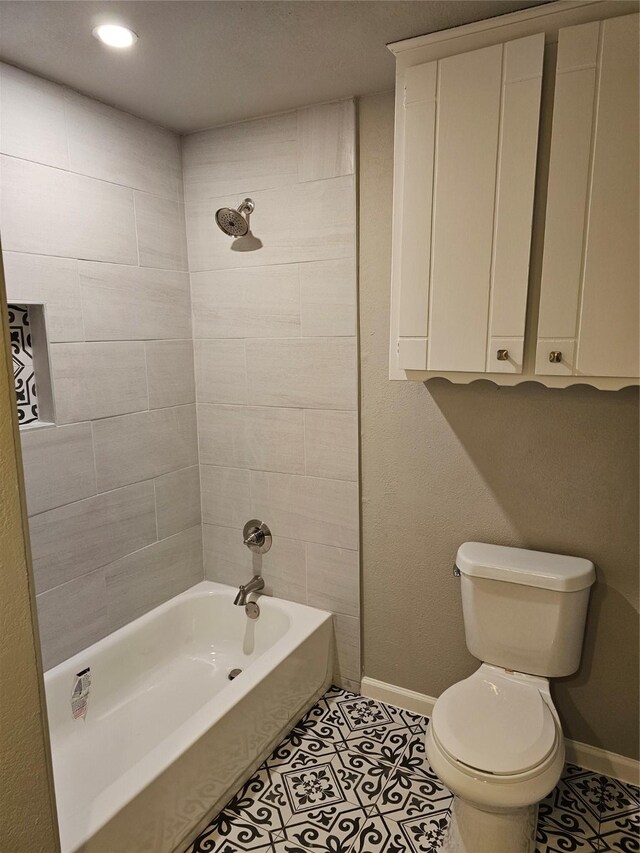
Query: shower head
x=233 y=222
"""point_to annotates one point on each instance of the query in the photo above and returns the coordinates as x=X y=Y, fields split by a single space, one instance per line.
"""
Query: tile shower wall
x=275 y=356
x=92 y=224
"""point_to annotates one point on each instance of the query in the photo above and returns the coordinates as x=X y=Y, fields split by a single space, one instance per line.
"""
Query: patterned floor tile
x=252 y=818
x=297 y=751
x=366 y=726
x=343 y=777
x=331 y=829
x=568 y=819
x=353 y=777
x=620 y=817
x=418 y=834
x=414 y=758
x=383 y=744
x=406 y=795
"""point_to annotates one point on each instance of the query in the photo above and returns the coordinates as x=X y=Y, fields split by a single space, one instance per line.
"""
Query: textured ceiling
x=206 y=63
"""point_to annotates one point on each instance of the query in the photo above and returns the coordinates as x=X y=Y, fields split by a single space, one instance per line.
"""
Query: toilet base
x=472 y=830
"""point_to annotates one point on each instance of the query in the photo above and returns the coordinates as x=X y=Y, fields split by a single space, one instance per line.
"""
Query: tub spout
x=256 y=584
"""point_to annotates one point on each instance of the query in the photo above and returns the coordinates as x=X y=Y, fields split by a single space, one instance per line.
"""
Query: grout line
x=289 y=408
x=131 y=266
x=95 y=468
x=277 y=473
x=106 y=566
x=304 y=440
x=146 y=374
x=155 y=509
x=99 y=494
x=90 y=177
x=293 y=539
x=135 y=225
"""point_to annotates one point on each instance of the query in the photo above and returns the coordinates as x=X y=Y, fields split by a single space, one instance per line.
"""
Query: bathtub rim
x=305 y=621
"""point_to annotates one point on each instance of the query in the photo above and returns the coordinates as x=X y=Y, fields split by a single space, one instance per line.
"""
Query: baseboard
x=603 y=761
x=419 y=703
x=583 y=754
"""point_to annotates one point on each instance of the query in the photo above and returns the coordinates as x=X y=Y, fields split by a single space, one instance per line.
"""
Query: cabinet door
x=465 y=173
x=589 y=306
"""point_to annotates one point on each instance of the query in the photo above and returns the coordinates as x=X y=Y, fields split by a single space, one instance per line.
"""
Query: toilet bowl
x=495 y=739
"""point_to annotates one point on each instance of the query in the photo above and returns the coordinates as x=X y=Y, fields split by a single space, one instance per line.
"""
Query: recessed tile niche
x=27 y=332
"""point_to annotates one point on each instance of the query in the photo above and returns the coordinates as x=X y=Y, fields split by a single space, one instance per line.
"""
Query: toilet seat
x=495 y=723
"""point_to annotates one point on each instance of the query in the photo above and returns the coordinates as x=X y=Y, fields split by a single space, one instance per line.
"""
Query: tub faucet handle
x=256 y=536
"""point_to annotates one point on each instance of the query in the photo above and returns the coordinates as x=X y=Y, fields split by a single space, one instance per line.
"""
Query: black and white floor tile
x=352 y=777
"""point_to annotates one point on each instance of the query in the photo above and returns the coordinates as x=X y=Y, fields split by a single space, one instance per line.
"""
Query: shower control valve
x=257 y=536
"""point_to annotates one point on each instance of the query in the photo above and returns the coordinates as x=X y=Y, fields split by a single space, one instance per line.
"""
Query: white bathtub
x=167 y=737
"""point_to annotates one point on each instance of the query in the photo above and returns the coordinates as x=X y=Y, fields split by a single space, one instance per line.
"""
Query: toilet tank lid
x=519 y=565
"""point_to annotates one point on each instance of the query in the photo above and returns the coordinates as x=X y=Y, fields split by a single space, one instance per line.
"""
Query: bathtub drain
x=233 y=674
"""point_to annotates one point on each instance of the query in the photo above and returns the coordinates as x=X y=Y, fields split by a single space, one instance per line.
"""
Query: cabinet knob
x=555 y=356
x=502 y=355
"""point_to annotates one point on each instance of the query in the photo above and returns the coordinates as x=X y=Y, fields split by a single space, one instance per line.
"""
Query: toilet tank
x=524 y=610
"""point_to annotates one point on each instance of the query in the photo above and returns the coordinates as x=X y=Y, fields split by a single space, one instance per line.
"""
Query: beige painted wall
x=527 y=466
x=26 y=792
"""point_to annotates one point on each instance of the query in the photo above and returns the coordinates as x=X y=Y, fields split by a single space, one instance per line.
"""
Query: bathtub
x=167 y=737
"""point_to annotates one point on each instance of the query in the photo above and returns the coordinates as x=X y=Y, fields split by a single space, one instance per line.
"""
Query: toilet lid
x=494 y=723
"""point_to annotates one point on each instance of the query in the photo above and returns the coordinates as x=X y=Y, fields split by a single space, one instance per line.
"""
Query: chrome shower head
x=233 y=222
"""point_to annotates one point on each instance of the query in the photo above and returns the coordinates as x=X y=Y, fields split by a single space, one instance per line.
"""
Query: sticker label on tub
x=80 y=694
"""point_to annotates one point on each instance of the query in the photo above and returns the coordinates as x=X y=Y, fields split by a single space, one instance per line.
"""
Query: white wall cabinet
x=464 y=299
x=589 y=303
x=468 y=163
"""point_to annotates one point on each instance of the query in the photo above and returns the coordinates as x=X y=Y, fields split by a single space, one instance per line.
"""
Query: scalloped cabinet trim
x=515 y=237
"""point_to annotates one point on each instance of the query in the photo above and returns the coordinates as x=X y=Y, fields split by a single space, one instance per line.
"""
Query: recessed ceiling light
x=115 y=35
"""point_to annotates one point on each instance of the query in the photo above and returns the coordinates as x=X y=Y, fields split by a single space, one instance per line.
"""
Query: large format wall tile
x=226 y=496
x=302 y=222
x=170 y=373
x=46 y=211
x=284 y=569
x=97 y=380
x=347 y=663
x=328 y=298
x=331 y=444
x=239 y=159
x=141 y=581
x=333 y=581
x=178 y=501
x=75 y=539
x=136 y=447
x=326 y=141
x=226 y=559
x=53 y=282
x=262 y=438
x=161 y=234
x=262 y=302
x=307 y=508
x=58 y=466
x=110 y=144
x=275 y=349
x=316 y=373
x=221 y=371
x=32 y=119
x=72 y=617
x=130 y=303
x=92 y=221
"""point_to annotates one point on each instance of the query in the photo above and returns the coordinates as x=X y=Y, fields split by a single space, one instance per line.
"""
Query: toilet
x=495 y=738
